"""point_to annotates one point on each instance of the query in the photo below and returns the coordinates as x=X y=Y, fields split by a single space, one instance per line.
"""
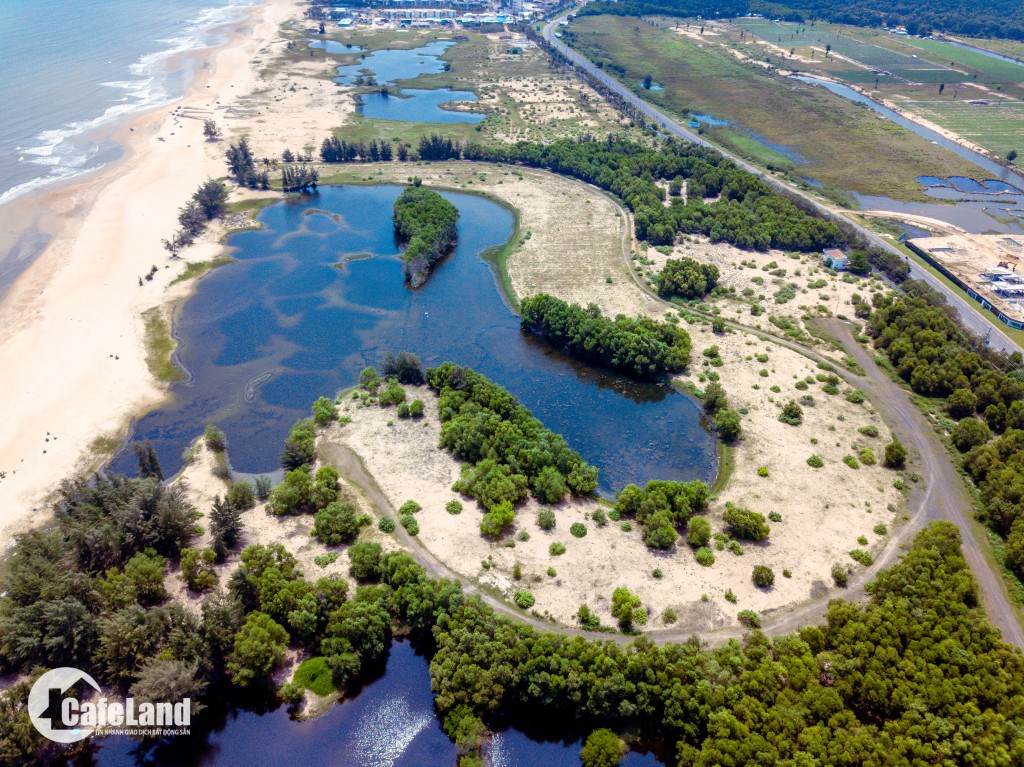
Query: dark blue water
x=965 y=184
x=388 y=66
x=423 y=106
x=390 y=723
x=932 y=181
x=286 y=308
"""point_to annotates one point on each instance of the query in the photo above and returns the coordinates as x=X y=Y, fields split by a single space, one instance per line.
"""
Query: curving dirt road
x=939 y=496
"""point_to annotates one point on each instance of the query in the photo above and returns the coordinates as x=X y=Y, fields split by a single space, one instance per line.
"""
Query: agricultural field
x=938 y=85
x=997 y=126
x=793 y=127
x=882 y=63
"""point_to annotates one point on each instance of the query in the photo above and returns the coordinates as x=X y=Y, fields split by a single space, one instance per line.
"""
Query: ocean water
x=69 y=71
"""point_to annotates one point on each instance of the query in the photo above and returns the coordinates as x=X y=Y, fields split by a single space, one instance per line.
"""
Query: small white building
x=836 y=259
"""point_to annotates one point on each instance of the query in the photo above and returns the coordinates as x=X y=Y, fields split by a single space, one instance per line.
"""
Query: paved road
x=969 y=313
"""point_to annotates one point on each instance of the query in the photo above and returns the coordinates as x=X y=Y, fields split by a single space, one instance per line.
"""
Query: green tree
x=197 y=568
x=365 y=558
x=624 y=605
x=324 y=412
x=603 y=748
x=259 y=648
x=744 y=523
x=698 y=532
x=727 y=424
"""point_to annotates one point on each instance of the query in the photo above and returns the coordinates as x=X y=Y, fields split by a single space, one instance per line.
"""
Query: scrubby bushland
x=507 y=449
x=662 y=507
x=640 y=347
x=426 y=223
x=921 y=637
x=747 y=212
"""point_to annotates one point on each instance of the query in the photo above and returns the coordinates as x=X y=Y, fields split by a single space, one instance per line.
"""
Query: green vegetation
x=197 y=568
x=880 y=157
x=937 y=646
x=641 y=347
x=603 y=748
x=763 y=577
x=556 y=549
x=744 y=523
x=746 y=212
x=578 y=530
x=338 y=523
x=524 y=599
x=508 y=450
x=314 y=675
x=160 y=347
x=453 y=507
x=302 y=494
x=425 y=223
x=662 y=507
x=686 y=278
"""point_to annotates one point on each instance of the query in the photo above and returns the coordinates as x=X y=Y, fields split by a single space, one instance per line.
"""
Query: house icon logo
x=46 y=703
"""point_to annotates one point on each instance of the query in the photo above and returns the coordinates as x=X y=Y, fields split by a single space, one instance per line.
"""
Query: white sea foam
x=54 y=149
x=385 y=733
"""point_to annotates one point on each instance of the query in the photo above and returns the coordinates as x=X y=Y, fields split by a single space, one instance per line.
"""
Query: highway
x=970 y=314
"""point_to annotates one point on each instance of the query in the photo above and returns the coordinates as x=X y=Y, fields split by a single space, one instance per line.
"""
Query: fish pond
x=318 y=294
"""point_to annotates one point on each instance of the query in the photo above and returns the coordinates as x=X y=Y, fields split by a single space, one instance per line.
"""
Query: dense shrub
x=197 y=568
x=686 y=278
x=698 y=532
x=792 y=414
x=727 y=424
x=337 y=523
x=578 y=530
x=640 y=347
x=556 y=549
x=744 y=523
x=546 y=519
x=969 y=433
x=662 y=507
x=524 y=599
x=507 y=449
x=453 y=507
x=763 y=577
x=895 y=454
x=425 y=222
x=705 y=556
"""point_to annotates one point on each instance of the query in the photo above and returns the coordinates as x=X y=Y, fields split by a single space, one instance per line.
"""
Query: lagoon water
x=388 y=65
x=266 y=335
x=390 y=723
x=414 y=105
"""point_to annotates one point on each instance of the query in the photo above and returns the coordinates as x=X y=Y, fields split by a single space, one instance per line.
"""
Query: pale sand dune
x=70 y=328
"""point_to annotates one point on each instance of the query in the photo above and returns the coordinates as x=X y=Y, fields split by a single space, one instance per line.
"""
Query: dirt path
x=943 y=495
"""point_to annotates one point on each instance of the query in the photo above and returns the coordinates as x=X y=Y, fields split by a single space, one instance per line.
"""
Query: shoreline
x=70 y=324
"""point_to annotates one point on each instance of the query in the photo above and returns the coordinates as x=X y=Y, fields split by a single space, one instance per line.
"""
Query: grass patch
x=197 y=269
x=160 y=347
x=879 y=157
x=315 y=675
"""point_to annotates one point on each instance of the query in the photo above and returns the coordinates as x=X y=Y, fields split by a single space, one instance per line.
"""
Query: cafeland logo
x=65 y=719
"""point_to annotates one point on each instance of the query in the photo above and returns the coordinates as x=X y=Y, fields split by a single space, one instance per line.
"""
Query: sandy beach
x=70 y=328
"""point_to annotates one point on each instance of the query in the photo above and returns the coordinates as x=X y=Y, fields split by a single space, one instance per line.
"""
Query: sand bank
x=71 y=337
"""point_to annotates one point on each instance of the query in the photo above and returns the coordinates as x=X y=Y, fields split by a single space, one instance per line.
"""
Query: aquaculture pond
x=423 y=106
x=390 y=723
x=318 y=294
x=389 y=65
